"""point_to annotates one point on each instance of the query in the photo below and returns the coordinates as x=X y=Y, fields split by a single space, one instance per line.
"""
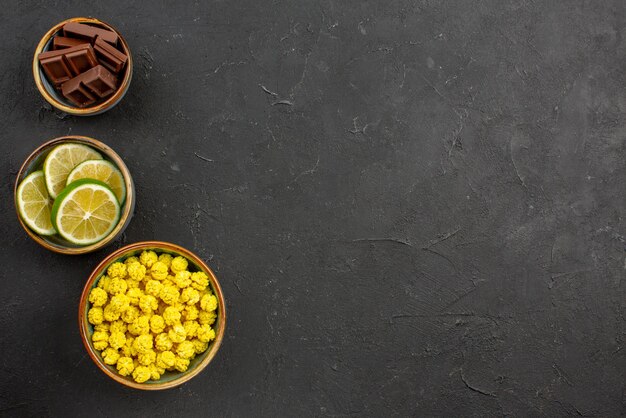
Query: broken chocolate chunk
x=83 y=89
x=66 y=63
x=61 y=42
x=81 y=30
x=108 y=56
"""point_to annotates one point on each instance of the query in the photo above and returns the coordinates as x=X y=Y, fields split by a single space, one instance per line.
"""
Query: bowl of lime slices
x=74 y=195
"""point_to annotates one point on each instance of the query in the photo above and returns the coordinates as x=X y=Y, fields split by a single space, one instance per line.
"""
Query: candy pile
x=151 y=314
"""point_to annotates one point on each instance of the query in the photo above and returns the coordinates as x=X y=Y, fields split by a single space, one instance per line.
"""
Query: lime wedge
x=85 y=212
x=61 y=160
x=101 y=170
x=34 y=205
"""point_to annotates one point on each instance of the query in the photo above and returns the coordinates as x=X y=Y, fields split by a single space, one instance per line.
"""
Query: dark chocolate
x=61 y=42
x=83 y=89
x=109 y=56
x=56 y=69
x=81 y=30
x=66 y=63
x=80 y=58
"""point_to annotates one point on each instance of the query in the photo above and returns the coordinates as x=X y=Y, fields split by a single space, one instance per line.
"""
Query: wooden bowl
x=169 y=379
x=55 y=98
x=55 y=242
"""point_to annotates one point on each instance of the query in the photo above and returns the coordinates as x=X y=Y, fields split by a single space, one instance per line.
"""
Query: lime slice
x=100 y=170
x=61 y=160
x=34 y=205
x=85 y=212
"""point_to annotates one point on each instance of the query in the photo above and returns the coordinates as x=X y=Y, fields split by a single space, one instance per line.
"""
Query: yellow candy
x=110 y=356
x=177 y=333
x=98 y=297
x=140 y=326
x=100 y=340
x=208 y=302
x=125 y=366
x=158 y=271
x=134 y=294
x=205 y=333
x=178 y=264
x=136 y=271
x=186 y=350
x=190 y=313
x=190 y=296
x=104 y=282
x=130 y=314
x=117 y=340
x=133 y=284
x=141 y=374
x=101 y=327
x=116 y=286
x=171 y=315
x=181 y=364
x=206 y=318
x=95 y=316
x=200 y=280
x=165 y=360
x=191 y=328
x=146 y=357
x=162 y=342
x=118 y=326
x=131 y=260
x=127 y=349
x=169 y=294
x=143 y=343
x=110 y=314
x=148 y=258
x=168 y=282
x=157 y=324
x=148 y=303
x=155 y=372
x=199 y=346
x=153 y=287
x=166 y=259
x=117 y=270
x=182 y=279
x=119 y=303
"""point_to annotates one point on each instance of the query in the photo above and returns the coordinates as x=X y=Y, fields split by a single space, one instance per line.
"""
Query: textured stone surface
x=415 y=208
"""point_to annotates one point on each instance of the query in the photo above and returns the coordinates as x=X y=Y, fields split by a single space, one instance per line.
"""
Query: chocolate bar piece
x=63 y=64
x=83 y=89
x=77 y=94
x=80 y=58
x=61 y=42
x=81 y=30
x=109 y=56
x=56 y=69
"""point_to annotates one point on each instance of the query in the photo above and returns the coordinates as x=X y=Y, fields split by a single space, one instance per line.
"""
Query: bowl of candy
x=82 y=66
x=152 y=315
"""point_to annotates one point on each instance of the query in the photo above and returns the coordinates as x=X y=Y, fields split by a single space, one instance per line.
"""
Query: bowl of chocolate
x=82 y=66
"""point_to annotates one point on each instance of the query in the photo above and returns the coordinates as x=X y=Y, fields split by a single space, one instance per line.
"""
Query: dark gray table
x=414 y=208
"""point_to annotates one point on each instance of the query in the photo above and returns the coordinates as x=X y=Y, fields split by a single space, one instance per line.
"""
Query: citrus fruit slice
x=61 y=160
x=100 y=170
x=85 y=212
x=34 y=205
